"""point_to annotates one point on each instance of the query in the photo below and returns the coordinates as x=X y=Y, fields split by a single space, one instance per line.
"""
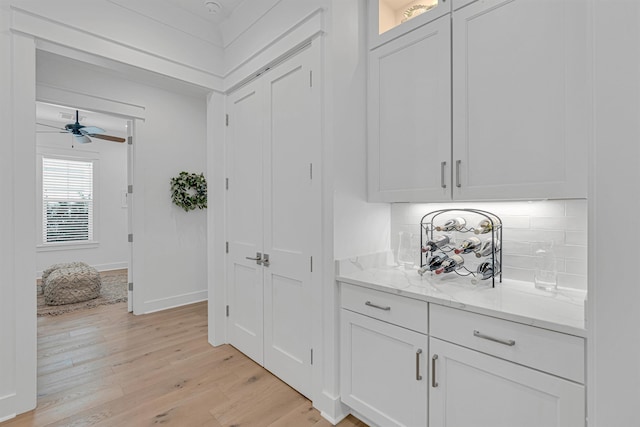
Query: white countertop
x=561 y=311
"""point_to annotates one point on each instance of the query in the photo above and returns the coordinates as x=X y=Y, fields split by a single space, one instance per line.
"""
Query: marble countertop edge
x=561 y=311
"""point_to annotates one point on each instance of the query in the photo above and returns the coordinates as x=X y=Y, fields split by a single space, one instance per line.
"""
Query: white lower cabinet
x=489 y=372
x=472 y=370
x=472 y=389
x=384 y=371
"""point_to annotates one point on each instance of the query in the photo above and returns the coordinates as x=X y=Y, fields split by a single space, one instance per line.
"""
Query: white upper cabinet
x=520 y=106
x=389 y=19
x=410 y=116
x=488 y=102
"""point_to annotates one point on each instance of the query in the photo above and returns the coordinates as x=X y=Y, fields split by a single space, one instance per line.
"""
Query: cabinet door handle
x=434 y=383
x=458 y=184
x=479 y=334
x=442 y=183
x=418 y=353
x=379 y=307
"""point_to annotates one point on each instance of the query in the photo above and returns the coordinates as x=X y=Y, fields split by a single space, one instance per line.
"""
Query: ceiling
x=202 y=9
x=190 y=16
x=57 y=115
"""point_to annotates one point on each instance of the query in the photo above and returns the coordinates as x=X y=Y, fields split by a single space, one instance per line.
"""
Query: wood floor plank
x=105 y=367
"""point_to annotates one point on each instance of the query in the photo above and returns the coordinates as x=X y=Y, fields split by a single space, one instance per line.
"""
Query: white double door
x=274 y=210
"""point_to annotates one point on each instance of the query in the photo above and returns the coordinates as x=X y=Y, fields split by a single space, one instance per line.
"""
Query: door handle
x=458 y=183
x=418 y=353
x=443 y=184
x=257 y=259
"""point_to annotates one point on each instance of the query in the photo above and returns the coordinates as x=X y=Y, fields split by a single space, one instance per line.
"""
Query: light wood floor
x=106 y=367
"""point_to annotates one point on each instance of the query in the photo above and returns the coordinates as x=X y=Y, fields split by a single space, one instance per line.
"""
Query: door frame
x=88 y=102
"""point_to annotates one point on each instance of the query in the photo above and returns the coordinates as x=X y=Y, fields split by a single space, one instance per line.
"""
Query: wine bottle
x=468 y=245
x=436 y=261
x=486 y=248
x=433 y=263
x=436 y=243
x=487 y=269
x=484 y=226
x=455 y=224
x=450 y=264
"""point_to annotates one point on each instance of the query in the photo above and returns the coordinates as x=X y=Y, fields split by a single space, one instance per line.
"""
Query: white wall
x=110 y=229
x=169 y=244
x=170 y=132
x=613 y=374
x=116 y=22
x=7 y=292
x=17 y=216
x=560 y=222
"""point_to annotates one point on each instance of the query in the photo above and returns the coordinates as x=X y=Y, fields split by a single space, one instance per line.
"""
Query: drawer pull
x=434 y=383
x=478 y=334
x=418 y=353
x=379 y=307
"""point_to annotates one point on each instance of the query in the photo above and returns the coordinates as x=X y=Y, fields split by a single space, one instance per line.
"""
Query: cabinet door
x=389 y=19
x=471 y=389
x=383 y=373
x=410 y=116
x=520 y=99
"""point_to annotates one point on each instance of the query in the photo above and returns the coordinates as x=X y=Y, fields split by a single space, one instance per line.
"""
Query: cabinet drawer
x=406 y=312
x=552 y=352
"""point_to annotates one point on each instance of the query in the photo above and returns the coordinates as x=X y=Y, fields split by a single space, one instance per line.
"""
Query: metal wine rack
x=428 y=230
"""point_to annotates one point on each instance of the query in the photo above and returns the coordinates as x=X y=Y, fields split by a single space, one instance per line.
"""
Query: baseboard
x=332 y=409
x=112 y=266
x=8 y=417
x=160 y=304
x=8 y=407
x=99 y=267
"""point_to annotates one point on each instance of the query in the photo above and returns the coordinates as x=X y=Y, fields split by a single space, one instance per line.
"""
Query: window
x=67 y=200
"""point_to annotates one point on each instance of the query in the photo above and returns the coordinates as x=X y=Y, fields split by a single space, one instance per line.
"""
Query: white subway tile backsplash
x=571 y=251
x=517 y=247
x=574 y=281
x=574 y=266
x=562 y=222
x=511 y=221
x=529 y=235
x=576 y=208
x=578 y=238
x=522 y=274
x=549 y=223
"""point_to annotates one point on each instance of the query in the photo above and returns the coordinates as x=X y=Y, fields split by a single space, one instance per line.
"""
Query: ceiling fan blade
x=91 y=130
x=108 y=137
x=50 y=126
x=50 y=131
x=82 y=139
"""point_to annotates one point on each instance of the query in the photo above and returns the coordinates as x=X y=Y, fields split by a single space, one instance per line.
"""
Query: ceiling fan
x=82 y=133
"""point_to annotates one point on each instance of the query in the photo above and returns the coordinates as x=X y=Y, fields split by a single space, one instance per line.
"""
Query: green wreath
x=189 y=191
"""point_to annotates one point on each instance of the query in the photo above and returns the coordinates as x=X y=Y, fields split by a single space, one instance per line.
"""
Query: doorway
x=84 y=170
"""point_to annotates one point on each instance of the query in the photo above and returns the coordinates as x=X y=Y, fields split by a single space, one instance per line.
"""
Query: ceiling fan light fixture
x=212 y=7
x=71 y=116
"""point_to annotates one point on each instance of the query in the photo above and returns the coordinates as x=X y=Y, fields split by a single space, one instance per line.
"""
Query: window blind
x=67 y=200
